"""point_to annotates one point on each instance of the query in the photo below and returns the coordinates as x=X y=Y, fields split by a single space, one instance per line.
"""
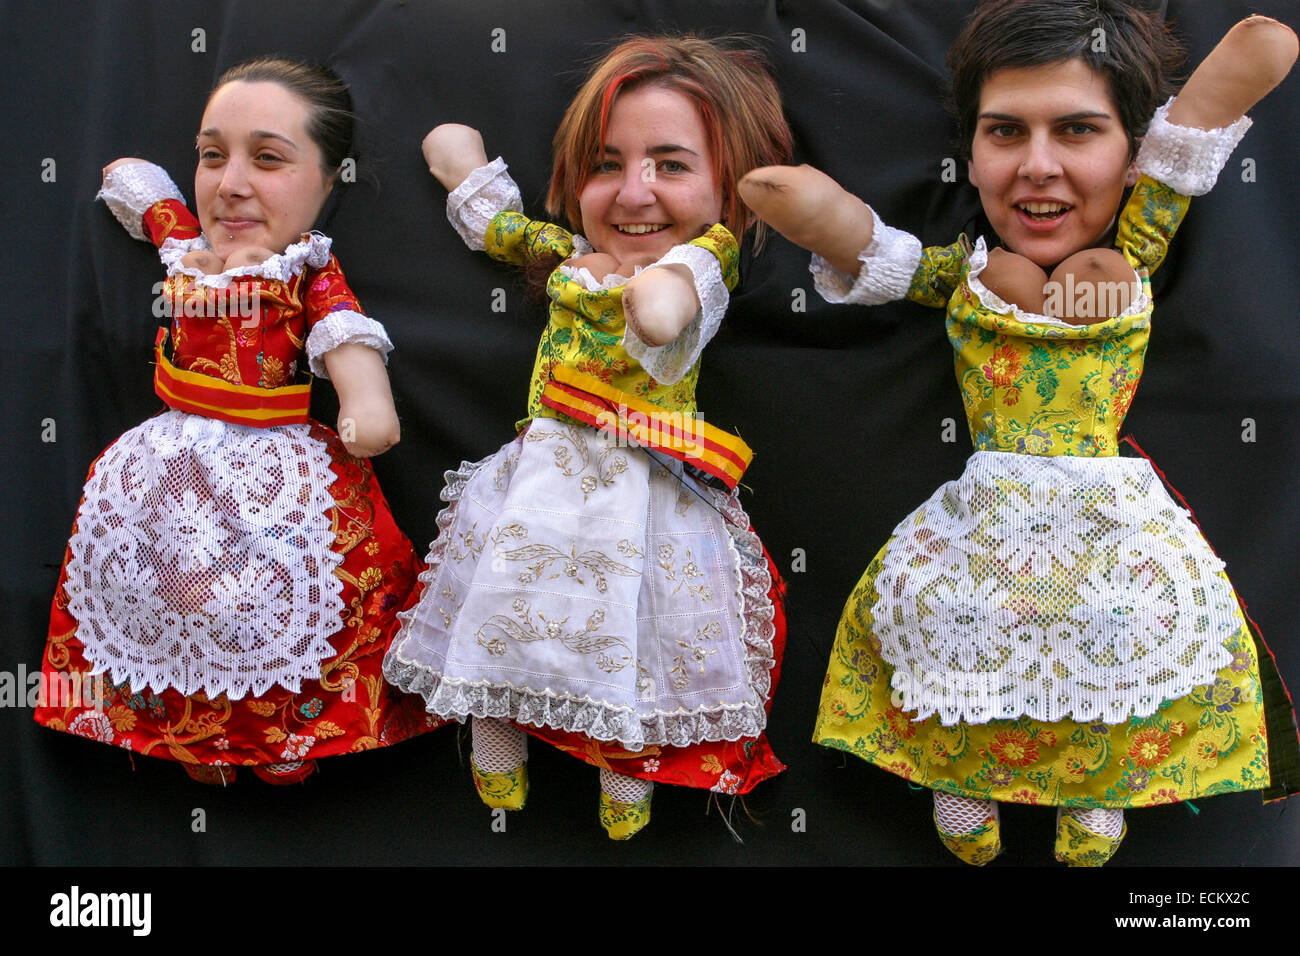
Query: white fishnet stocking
x=498 y=746
x=956 y=814
x=622 y=788
x=1101 y=821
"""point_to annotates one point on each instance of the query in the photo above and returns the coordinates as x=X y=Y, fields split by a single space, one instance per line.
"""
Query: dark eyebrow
x=1068 y=118
x=256 y=134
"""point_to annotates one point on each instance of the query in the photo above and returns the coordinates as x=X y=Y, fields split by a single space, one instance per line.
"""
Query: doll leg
x=624 y=804
x=499 y=761
x=1088 y=837
x=1091 y=286
x=248 y=257
x=968 y=827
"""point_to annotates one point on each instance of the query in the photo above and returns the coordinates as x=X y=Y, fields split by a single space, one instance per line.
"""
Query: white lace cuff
x=1186 y=159
x=888 y=264
x=130 y=190
x=668 y=364
x=344 y=327
x=473 y=204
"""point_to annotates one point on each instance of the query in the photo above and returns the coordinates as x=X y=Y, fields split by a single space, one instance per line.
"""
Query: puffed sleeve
x=143 y=198
x=473 y=204
x=514 y=238
x=1175 y=162
x=335 y=318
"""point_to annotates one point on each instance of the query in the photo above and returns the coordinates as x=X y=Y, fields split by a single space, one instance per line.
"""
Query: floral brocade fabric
x=1211 y=741
x=1036 y=386
x=585 y=331
x=169 y=632
x=600 y=599
x=348 y=709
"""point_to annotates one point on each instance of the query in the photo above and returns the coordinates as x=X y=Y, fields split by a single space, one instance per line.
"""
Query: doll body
x=1051 y=628
x=233 y=577
x=591 y=592
x=990 y=649
x=596 y=582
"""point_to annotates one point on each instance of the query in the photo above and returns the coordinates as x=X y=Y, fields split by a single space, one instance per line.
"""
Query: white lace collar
x=313 y=250
x=979 y=258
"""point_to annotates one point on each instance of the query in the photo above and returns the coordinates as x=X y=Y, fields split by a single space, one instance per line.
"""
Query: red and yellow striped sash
x=211 y=397
x=707 y=450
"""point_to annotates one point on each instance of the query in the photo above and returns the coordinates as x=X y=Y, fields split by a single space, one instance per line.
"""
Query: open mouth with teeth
x=1043 y=211
x=640 y=228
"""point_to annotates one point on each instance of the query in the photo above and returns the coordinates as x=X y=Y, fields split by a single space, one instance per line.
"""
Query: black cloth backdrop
x=845 y=406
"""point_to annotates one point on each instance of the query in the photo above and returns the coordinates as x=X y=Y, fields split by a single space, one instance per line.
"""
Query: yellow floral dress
x=1051 y=628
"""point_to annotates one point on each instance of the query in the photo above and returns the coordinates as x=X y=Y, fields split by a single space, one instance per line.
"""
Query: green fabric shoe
x=507 y=790
x=622 y=821
x=1076 y=845
x=976 y=847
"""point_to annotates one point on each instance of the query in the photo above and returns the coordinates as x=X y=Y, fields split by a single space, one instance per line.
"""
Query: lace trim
x=668 y=364
x=979 y=260
x=1057 y=588
x=203 y=558
x=130 y=190
x=459 y=700
x=473 y=204
x=888 y=264
x=1184 y=158
x=312 y=251
x=341 y=328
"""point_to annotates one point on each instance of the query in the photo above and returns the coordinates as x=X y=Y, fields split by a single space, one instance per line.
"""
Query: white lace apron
x=202 y=558
x=1052 y=587
x=582 y=586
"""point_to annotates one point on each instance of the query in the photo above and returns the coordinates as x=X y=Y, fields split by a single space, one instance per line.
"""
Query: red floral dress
x=229 y=590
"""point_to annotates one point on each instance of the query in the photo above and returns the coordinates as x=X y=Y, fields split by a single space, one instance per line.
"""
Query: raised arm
x=811 y=210
x=452 y=152
x=146 y=202
x=1251 y=59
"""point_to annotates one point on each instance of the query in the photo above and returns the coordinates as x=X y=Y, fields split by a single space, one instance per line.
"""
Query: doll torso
x=252 y=331
x=1038 y=386
x=585 y=328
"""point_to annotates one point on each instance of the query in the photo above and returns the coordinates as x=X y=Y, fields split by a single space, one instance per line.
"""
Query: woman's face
x=1050 y=159
x=654 y=187
x=259 y=180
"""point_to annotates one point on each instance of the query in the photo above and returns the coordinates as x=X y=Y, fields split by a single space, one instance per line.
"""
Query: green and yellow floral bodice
x=1038 y=386
x=585 y=328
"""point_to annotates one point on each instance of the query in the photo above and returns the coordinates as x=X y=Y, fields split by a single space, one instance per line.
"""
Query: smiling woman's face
x=654 y=187
x=259 y=181
x=1050 y=159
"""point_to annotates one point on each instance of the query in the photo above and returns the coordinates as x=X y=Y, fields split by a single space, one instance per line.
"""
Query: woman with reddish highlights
x=596 y=583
